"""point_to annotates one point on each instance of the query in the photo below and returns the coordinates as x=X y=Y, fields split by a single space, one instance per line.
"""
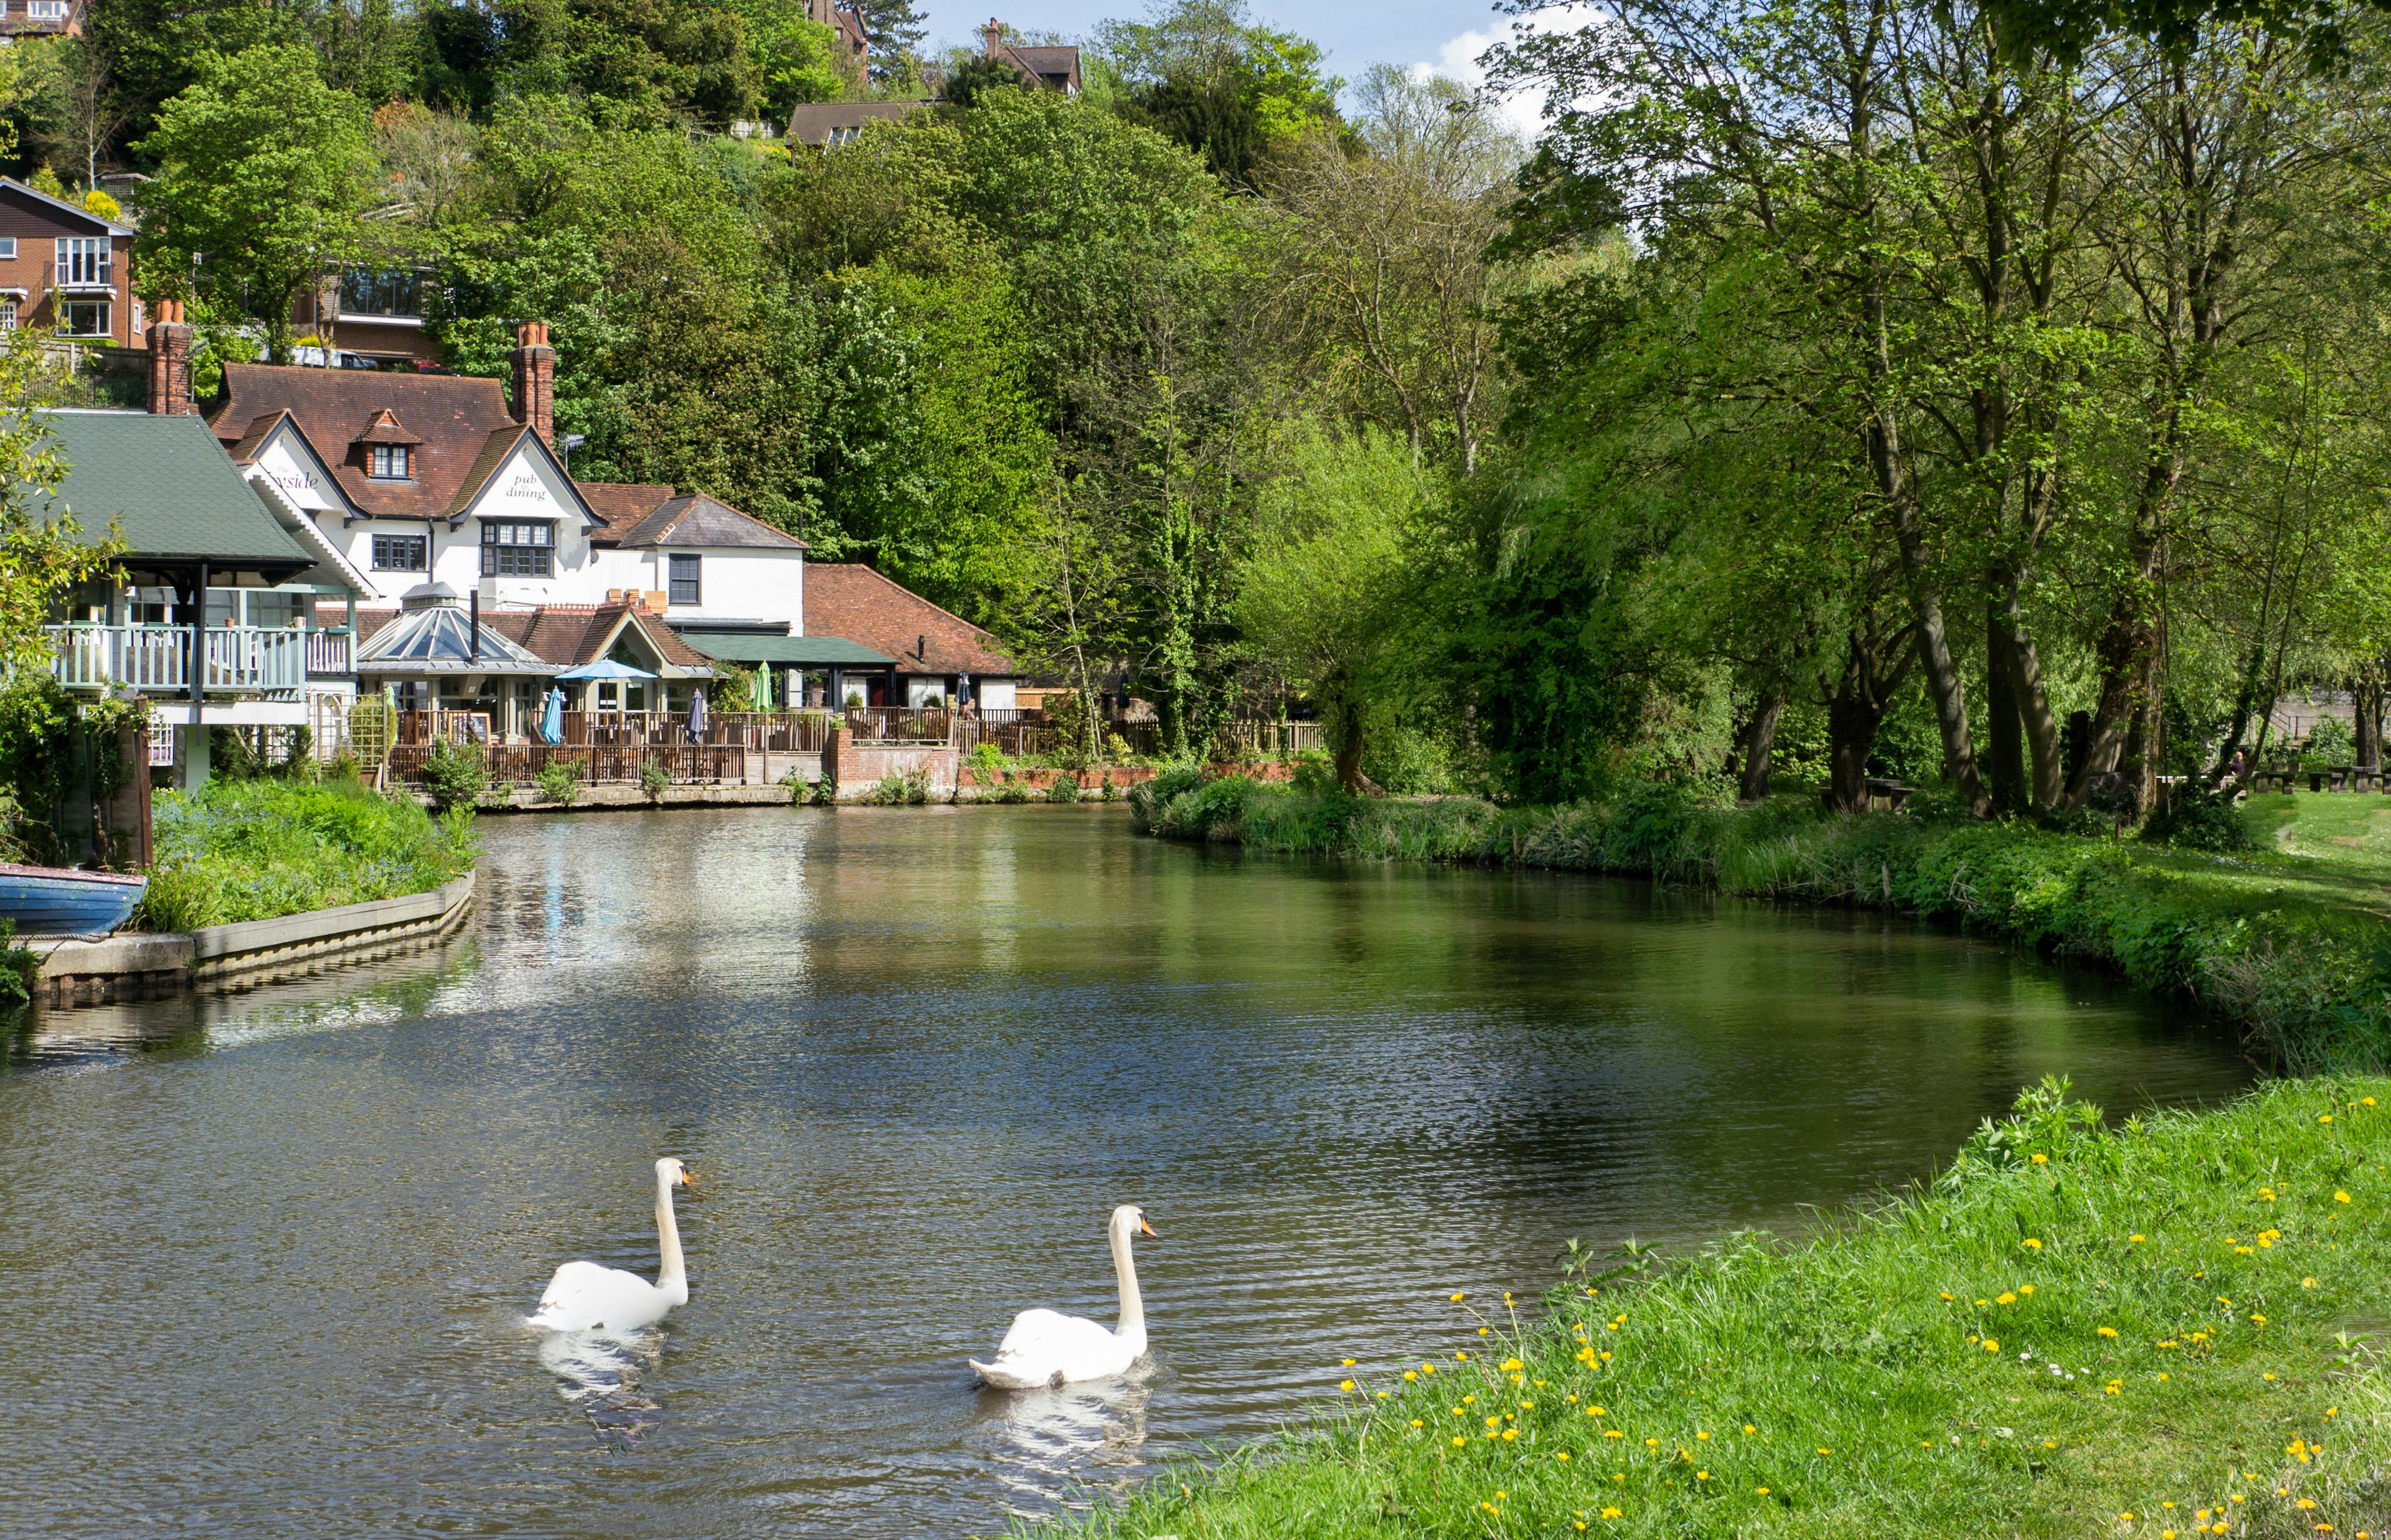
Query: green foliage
x=454 y=774
x=2330 y=745
x=262 y=170
x=797 y=58
x=1206 y=77
x=2195 y=819
x=1065 y=789
x=21 y=969
x=261 y=848
x=654 y=779
x=559 y=783
x=905 y=789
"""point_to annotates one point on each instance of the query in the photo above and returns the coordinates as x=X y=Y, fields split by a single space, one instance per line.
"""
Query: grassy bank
x=255 y=848
x=2166 y=1330
x=2287 y=938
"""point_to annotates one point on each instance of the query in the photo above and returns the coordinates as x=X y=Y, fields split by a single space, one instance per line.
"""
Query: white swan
x=1045 y=1347
x=586 y=1297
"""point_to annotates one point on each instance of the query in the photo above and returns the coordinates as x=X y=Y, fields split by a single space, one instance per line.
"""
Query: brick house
x=1047 y=67
x=39 y=18
x=64 y=269
x=938 y=652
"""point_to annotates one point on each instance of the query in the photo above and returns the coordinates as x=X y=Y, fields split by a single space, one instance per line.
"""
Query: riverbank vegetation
x=2156 y=1330
x=255 y=848
x=2282 y=929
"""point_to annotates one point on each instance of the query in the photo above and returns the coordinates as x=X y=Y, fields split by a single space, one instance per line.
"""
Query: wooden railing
x=240 y=659
x=327 y=654
x=690 y=764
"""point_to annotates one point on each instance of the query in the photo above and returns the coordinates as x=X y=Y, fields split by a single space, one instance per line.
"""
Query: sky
x=1445 y=37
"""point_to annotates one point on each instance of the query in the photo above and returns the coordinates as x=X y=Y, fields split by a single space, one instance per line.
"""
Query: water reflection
x=921 y=1055
x=600 y=1374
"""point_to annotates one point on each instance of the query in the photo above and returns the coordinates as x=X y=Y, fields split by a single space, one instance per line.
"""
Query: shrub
x=986 y=761
x=793 y=782
x=20 y=968
x=909 y=789
x=1065 y=787
x=2194 y=819
x=654 y=779
x=453 y=773
x=2330 y=745
x=557 y=783
x=257 y=848
x=1009 y=788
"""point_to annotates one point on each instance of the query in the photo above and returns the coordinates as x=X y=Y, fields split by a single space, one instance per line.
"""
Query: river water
x=262 y=1258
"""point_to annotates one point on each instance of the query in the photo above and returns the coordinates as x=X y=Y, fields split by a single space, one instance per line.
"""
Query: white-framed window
x=390 y=462
x=83 y=262
x=517 y=550
x=682 y=585
x=83 y=318
x=8 y=313
x=7 y=243
x=45 y=10
x=402 y=552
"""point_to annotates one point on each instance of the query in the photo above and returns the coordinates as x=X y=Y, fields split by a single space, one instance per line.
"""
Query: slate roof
x=173 y=490
x=39 y=200
x=850 y=600
x=697 y=519
x=459 y=420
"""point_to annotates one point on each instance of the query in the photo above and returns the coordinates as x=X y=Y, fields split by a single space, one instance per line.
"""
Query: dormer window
x=390 y=462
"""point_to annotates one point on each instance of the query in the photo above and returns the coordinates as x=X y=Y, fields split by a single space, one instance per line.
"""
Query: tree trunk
x=1345 y=734
x=1758 y=744
x=2366 y=703
x=1852 y=722
x=2004 y=725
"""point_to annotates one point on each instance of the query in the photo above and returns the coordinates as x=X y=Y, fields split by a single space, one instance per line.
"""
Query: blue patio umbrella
x=551 y=718
x=696 y=714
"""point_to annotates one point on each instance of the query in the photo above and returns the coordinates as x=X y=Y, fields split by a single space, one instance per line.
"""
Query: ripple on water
x=270 y=1279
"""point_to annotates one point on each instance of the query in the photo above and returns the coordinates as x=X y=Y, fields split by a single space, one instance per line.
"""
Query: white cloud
x=1521 y=112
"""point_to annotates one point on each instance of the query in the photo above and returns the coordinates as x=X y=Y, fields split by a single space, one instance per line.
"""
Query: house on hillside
x=827 y=125
x=37 y=18
x=64 y=269
x=853 y=42
x=214 y=617
x=366 y=318
x=1049 y=67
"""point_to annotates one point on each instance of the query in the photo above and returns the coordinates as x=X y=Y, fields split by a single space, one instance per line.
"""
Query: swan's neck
x=1132 y=1307
x=674 y=1272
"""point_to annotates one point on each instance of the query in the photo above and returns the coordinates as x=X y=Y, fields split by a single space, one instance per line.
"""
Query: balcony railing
x=155 y=659
x=327 y=655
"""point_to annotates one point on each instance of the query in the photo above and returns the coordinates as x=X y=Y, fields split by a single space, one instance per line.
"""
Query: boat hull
x=51 y=901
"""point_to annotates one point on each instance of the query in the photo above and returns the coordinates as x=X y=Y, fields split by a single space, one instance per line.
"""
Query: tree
x=894 y=29
x=1204 y=77
x=262 y=170
x=1319 y=594
x=45 y=551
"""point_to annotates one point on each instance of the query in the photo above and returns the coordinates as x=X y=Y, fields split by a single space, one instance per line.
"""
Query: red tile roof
x=623 y=504
x=698 y=520
x=853 y=601
x=459 y=419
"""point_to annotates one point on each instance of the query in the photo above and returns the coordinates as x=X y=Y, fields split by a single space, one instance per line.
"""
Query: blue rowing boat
x=52 y=901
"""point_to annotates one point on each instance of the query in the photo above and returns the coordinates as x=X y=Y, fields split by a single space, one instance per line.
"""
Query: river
x=264 y=1257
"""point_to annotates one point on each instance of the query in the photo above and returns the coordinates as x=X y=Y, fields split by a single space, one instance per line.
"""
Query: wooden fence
x=520 y=764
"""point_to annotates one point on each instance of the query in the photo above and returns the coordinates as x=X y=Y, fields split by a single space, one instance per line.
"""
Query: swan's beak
x=688 y=1177
x=1147 y=1230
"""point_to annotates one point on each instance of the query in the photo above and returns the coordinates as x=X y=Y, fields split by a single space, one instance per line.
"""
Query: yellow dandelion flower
x=1611 y=1513
x=2108 y=1331
x=1992 y=1344
x=1456 y=1297
x=2025 y=1289
x=1345 y=1363
x=2134 y=1239
x=2006 y=1298
x=1344 y=1384
x=1761 y=1491
x=2341 y=1198
x=1703 y=1437
x=2030 y=1244
x=1561 y=1454
x=1750 y=1429
x=2324 y=1117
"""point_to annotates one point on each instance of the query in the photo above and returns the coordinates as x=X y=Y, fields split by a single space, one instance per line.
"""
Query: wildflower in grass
x=2025 y=1289
x=2030 y=1244
x=1992 y=1344
x=1750 y=1429
x=1345 y=1363
x=1611 y=1513
x=2366 y=1101
x=1344 y=1384
x=2041 y=1159
x=2134 y=1239
x=1825 y=1451
x=2341 y=1197
x=1946 y=1296
x=1613 y=1433
x=2108 y=1331
x=1701 y=1475
x=1458 y=1441
x=1456 y=1299
x=2324 y=1117
x=1417 y=1423
x=1702 y=1437
x=2006 y=1298
x=1410 y=1374
x=1596 y=1411
x=1560 y=1455
x=2307 y=1283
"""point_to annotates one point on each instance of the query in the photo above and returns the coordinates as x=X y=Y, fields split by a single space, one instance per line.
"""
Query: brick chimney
x=535 y=381
x=170 y=362
x=995 y=37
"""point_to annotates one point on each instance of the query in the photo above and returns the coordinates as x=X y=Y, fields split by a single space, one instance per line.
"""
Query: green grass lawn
x=2173 y=1327
x=2335 y=845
